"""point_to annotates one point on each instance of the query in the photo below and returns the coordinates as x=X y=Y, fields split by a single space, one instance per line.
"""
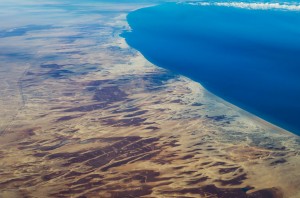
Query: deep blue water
x=249 y=57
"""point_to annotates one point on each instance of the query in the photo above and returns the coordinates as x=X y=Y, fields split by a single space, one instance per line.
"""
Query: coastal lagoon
x=246 y=53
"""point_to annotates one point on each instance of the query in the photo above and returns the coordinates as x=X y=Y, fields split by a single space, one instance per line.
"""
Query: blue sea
x=248 y=53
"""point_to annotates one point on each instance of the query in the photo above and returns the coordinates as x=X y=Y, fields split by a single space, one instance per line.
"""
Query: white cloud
x=256 y=6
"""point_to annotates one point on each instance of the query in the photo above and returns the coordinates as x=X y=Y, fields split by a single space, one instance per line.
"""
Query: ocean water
x=246 y=53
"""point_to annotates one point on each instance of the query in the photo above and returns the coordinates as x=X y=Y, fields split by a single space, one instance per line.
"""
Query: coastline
x=268 y=103
x=261 y=120
x=260 y=172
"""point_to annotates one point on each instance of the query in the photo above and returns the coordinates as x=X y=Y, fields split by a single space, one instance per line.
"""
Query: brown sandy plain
x=84 y=115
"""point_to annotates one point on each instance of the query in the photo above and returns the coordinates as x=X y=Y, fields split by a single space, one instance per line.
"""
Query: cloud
x=255 y=6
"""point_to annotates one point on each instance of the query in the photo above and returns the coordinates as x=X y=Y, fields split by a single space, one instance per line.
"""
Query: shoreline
x=258 y=108
x=248 y=114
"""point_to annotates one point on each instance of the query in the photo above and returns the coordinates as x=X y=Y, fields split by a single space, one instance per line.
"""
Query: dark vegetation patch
x=275 y=147
x=40 y=154
x=87 y=108
x=140 y=184
x=109 y=94
x=149 y=123
x=197 y=104
x=279 y=161
x=216 y=118
x=220 y=118
x=279 y=154
x=70 y=39
x=52 y=176
x=28 y=132
x=218 y=164
x=72 y=174
x=87 y=179
x=26 y=143
x=266 y=142
x=17 y=182
x=96 y=83
x=178 y=167
x=121 y=151
x=205 y=163
x=178 y=101
x=59 y=73
x=55 y=146
x=187 y=157
x=195 y=150
x=77 y=189
x=228 y=170
x=66 y=118
x=152 y=128
x=235 y=181
x=39 y=146
x=197 y=181
x=174 y=143
x=156 y=81
x=138 y=113
x=138 y=191
x=214 y=191
x=187 y=172
x=199 y=144
x=267 y=193
x=210 y=149
x=105 y=96
x=21 y=31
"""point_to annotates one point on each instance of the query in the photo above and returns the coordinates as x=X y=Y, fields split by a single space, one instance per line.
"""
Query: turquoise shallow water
x=248 y=56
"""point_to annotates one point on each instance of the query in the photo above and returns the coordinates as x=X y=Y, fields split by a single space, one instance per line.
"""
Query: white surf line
x=254 y=6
